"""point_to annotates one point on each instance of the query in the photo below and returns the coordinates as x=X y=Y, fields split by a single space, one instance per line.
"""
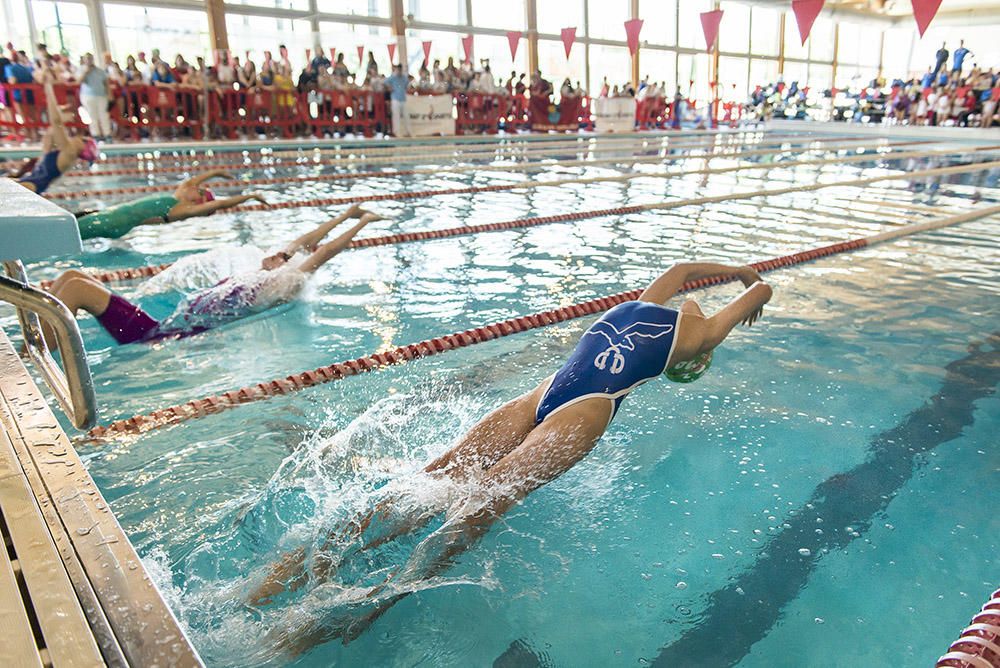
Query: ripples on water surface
x=690 y=489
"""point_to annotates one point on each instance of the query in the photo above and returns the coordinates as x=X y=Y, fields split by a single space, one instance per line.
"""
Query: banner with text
x=430 y=115
x=614 y=114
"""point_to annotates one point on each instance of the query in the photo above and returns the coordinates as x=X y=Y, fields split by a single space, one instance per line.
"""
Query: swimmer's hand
x=754 y=317
x=748 y=275
x=259 y=198
x=369 y=217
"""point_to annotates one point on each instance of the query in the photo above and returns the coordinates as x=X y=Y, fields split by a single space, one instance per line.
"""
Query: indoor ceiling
x=902 y=7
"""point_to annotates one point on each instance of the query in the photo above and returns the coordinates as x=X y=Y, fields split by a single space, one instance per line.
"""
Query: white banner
x=614 y=114
x=430 y=115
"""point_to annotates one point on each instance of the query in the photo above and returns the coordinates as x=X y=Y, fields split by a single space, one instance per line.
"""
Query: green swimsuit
x=118 y=220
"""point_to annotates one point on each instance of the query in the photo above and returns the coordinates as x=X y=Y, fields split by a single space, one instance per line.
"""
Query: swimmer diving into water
x=540 y=435
x=280 y=279
x=191 y=199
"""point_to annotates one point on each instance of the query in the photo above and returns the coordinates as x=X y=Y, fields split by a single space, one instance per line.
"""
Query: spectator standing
x=94 y=97
x=145 y=69
x=959 y=58
x=398 y=83
x=941 y=58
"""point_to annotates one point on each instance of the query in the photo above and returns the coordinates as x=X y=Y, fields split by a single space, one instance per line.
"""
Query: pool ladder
x=74 y=387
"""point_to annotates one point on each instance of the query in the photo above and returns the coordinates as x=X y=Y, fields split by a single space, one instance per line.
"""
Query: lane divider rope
x=426 y=235
x=434 y=346
x=979 y=644
x=495 y=142
x=531 y=185
x=460 y=169
x=392 y=159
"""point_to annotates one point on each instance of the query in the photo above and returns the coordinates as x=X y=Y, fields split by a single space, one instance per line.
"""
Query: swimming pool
x=806 y=499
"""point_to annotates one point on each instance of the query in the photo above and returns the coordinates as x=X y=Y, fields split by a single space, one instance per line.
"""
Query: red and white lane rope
x=979 y=644
x=361 y=158
x=532 y=184
x=426 y=235
x=280 y=386
x=428 y=144
x=776 y=147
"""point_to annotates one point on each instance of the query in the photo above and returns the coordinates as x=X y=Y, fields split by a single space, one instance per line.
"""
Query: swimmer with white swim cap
x=535 y=438
x=279 y=280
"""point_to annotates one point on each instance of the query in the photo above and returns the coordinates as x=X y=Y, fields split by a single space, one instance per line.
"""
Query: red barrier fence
x=141 y=110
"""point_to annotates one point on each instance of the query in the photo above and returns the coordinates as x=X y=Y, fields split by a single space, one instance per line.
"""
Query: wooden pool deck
x=73 y=591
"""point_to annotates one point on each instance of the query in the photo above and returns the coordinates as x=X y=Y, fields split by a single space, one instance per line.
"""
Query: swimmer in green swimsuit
x=191 y=199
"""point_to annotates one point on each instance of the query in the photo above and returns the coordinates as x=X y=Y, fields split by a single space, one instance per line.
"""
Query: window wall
x=754 y=50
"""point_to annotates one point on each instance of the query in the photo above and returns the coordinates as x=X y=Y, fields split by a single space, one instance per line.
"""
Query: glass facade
x=846 y=52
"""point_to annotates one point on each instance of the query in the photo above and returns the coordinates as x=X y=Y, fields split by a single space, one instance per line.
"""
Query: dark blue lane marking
x=743 y=612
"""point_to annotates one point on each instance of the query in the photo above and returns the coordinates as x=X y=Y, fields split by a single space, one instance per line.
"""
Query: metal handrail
x=74 y=389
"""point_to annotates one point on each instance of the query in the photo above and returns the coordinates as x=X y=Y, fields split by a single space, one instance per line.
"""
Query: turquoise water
x=728 y=522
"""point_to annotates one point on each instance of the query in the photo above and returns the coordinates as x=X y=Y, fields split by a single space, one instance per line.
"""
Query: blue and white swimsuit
x=628 y=346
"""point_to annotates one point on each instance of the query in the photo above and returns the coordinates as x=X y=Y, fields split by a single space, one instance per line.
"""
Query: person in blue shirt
x=928 y=79
x=398 y=84
x=19 y=72
x=162 y=74
x=941 y=57
x=959 y=57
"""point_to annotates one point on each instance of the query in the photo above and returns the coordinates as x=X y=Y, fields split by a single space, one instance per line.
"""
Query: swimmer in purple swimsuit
x=533 y=439
x=59 y=151
x=278 y=281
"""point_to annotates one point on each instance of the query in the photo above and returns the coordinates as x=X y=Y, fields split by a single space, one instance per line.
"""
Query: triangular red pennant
x=361 y=54
x=568 y=37
x=333 y=55
x=427 y=50
x=309 y=55
x=806 y=12
x=392 y=52
x=632 y=28
x=710 y=24
x=513 y=38
x=467 y=45
x=923 y=12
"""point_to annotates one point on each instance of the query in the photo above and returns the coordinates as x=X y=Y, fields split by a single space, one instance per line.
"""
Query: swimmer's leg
x=78 y=291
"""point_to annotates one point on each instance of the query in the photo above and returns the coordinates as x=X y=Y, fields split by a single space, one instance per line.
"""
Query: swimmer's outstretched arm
x=324 y=253
x=182 y=211
x=56 y=137
x=201 y=178
x=310 y=240
x=669 y=283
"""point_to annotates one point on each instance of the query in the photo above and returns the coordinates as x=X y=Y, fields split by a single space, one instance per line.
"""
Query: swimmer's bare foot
x=355 y=211
x=369 y=217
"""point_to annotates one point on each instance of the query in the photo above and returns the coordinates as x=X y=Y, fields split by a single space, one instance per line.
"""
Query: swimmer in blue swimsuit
x=540 y=435
x=59 y=151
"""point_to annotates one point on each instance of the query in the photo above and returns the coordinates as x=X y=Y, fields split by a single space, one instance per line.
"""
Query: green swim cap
x=692 y=370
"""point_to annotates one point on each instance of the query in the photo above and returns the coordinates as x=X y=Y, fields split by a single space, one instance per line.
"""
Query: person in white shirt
x=942 y=108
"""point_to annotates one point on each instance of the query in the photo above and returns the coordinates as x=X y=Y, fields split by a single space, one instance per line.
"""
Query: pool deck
x=73 y=591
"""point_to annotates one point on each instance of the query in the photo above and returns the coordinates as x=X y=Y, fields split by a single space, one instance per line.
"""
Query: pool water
x=822 y=497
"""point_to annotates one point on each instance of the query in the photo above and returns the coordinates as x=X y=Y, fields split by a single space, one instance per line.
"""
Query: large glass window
x=660 y=18
x=132 y=29
x=613 y=62
x=820 y=77
x=793 y=43
x=554 y=16
x=692 y=75
x=733 y=78
x=64 y=27
x=257 y=34
x=763 y=72
x=821 y=40
x=379 y=8
x=447 y=12
x=554 y=65
x=734 y=31
x=848 y=42
x=497 y=51
x=764 y=27
x=660 y=66
x=508 y=15
x=444 y=45
x=347 y=37
x=606 y=20
x=281 y=4
x=896 y=54
x=796 y=73
x=14 y=16
x=689 y=21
